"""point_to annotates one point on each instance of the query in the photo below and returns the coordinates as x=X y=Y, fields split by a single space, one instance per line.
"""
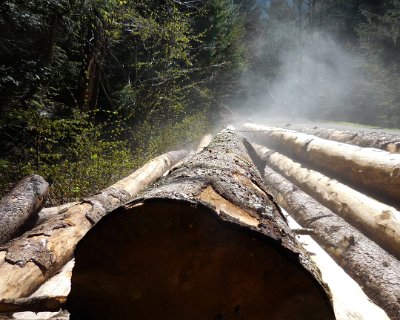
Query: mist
x=310 y=76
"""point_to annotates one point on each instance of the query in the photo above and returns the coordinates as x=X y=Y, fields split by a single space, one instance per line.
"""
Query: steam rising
x=314 y=77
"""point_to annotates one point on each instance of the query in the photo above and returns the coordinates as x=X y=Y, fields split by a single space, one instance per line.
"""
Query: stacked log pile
x=359 y=232
x=28 y=261
x=210 y=238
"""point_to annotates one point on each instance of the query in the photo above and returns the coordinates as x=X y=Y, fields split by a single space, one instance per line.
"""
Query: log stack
x=210 y=240
x=360 y=233
x=28 y=261
x=207 y=242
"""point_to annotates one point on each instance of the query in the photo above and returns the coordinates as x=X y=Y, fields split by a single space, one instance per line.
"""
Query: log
x=375 y=270
x=27 y=262
x=377 y=220
x=44 y=302
x=206 y=243
x=348 y=299
x=20 y=204
x=374 y=169
x=371 y=139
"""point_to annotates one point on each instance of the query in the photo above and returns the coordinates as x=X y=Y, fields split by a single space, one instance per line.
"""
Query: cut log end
x=171 y=259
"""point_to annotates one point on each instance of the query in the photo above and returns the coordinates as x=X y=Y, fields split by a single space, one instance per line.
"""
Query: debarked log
x=371 y=139
x=28 y=261
x=375 y=270
x=374 y=169
x=20 y=204
x=377 y=220
x=207 y=242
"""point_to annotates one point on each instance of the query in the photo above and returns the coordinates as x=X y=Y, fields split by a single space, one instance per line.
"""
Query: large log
x=348 y=299
x=20 y=204
x=27 y=262
x=206 y=243
x=374 y=169
x=370 y=139
x=375 y=270
x=377 y=220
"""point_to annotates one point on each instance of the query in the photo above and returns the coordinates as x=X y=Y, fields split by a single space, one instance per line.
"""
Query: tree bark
x=27 y=262
x=376 y=170
x=378 y=140
x=208 y=242
x=20 y=204
x=377 y=220
x=375 y=270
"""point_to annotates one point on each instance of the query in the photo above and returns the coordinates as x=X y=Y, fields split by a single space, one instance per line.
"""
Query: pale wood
x=374 y=169
x=21 y=204
x=366 y=139
x=52 y=293
x=377 y=220
x=52 y=244
x=204 y=142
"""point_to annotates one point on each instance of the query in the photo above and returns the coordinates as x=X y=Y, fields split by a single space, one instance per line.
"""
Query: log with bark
x=375 y=270
x=21 y=204
x=207 y=242
x=348 y=299
x=371 y=139
x=377 y=220
x=28 y=261
x=374 y=169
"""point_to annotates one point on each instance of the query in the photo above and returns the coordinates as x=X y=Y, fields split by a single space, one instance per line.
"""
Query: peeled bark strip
x=375 y=270
x=378 y=221
x=206 y=243
x=374 y=169
x=378 y=140
x=27 y=262
x=204 y=142
x=18 y=206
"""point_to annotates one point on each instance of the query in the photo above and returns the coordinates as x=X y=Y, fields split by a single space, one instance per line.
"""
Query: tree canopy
x=90 y=89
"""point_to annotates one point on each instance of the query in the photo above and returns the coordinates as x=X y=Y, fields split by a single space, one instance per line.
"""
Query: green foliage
x=72 y=153
x=378 y=35
x=89 y=90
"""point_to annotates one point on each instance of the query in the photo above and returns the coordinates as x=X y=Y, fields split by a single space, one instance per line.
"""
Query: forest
x=91 y=89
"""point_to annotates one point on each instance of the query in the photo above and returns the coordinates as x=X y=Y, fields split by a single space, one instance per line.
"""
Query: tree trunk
x=376 y=170
x=27 y=262
x=20 y=204
x=378 y=221
x=375 y=270
x=378 y=140
x=208 y=242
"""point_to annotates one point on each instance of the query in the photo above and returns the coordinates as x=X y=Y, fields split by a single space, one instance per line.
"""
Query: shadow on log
x=206 y=243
